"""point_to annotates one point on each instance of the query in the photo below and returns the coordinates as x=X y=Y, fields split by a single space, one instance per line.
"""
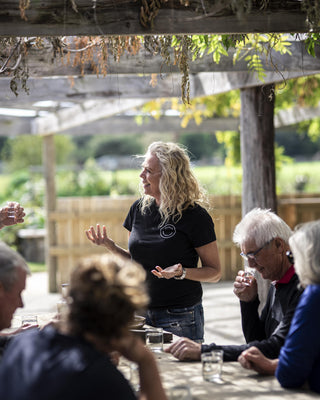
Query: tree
x=22 y=151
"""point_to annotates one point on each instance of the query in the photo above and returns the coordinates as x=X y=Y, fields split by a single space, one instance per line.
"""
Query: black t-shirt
x=152 y=245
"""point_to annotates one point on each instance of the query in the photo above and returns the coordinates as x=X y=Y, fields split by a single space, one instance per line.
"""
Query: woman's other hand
x=169 y=272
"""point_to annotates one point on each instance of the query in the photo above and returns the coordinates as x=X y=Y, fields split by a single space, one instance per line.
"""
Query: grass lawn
x=221 y=180
x=36 y=267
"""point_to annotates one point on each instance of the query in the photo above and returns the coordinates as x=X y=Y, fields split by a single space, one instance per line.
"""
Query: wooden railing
x=75 y=214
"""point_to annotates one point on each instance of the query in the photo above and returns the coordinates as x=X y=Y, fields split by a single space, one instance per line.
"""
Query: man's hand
x=16 y=217
x=252 y=358
x=185 y=349
x=245 y=288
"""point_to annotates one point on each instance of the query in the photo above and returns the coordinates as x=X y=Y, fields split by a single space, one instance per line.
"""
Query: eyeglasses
x=290 y=257
x=253 y=255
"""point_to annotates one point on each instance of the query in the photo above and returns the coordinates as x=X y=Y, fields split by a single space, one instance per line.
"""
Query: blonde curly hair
x=104 y=294
x=178 y=186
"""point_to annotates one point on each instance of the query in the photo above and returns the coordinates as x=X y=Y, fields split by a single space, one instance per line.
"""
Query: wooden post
x=50 y=205
x=257 y=148
x=257 y=157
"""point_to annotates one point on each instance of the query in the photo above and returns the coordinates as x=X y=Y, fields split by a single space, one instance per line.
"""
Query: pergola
x=82 y=104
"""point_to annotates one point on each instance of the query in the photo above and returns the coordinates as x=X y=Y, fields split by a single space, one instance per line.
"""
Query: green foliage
x=99 y=145
x=89 y=181
x=115 y=145
x=255 y=64
x=310 y=42
x=313 y=129
x=256 y=48
x=210 y=44
x=25 y=186
x=231 y=142
x=25 y=150
x=36 y=267
x=301 y=92
x=200 y=145
x=280 y=158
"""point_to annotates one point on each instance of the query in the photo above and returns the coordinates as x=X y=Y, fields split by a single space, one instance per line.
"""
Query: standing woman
x=170 y=230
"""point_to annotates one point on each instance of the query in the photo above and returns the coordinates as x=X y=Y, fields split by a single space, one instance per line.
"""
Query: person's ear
x=279 y=244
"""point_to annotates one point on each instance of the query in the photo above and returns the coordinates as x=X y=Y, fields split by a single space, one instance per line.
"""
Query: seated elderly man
x=13 y=273
x=263 y=239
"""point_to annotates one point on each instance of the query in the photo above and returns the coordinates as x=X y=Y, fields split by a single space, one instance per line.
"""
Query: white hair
x=305 y=246
x=261 y=225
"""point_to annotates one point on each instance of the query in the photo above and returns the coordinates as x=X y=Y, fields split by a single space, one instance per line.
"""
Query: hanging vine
x=174 y=49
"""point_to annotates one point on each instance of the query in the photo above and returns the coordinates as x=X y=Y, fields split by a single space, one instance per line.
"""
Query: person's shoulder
x=312 y=292
x=135 y=205
x=197 y=209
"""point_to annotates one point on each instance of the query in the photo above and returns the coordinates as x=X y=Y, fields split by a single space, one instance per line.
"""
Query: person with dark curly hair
x=73 y=361
x=170 y=231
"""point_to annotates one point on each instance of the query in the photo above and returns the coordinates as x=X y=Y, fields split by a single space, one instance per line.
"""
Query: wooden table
x=237 y=382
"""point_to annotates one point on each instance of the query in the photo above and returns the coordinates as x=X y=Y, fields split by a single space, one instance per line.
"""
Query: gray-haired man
x=13 y=274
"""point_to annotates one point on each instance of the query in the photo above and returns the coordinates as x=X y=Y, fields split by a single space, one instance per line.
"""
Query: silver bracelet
x=182 y=276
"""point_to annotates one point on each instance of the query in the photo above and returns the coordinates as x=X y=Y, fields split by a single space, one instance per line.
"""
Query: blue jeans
x=181 y=321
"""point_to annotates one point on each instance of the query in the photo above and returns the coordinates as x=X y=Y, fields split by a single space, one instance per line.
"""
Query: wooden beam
x=78 y=89
x=119 y=125
x=59 y=18
x=82 y=119
x=81 y=114
x=41 y=62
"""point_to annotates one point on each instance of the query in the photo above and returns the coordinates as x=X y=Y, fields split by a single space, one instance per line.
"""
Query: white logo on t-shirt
x=167 y=231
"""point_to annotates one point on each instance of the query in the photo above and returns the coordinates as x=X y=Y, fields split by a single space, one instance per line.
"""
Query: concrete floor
x=221 y=308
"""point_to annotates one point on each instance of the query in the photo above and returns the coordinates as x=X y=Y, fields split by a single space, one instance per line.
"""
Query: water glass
x=154 y=339
x=247 y=277
x=212 y=365
x=181 y=392
x=11 y=209
x=29 y=320
x=134 y=377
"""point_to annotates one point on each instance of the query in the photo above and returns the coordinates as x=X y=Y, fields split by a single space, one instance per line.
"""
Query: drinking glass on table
x=212 y=365
x=180 y=392
x=154 y=339
x=29 y=320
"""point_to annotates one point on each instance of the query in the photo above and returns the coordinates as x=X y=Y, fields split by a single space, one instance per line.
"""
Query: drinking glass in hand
x=247 y=277
x=11 y=212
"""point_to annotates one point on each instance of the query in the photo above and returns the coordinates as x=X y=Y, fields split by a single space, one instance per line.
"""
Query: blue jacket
x=299 y=360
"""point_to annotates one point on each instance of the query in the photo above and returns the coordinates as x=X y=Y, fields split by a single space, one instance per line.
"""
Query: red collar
x=286 y=277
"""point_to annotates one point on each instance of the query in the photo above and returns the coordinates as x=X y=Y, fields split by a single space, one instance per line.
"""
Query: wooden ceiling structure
x=80 y=103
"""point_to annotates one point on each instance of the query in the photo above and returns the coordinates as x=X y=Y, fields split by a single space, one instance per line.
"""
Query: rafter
x=121 y=17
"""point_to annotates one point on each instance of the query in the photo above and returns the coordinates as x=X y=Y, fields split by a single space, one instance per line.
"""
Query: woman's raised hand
x=99 y=237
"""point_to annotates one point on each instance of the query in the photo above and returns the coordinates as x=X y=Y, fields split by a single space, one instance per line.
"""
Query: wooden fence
x=75 y=214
